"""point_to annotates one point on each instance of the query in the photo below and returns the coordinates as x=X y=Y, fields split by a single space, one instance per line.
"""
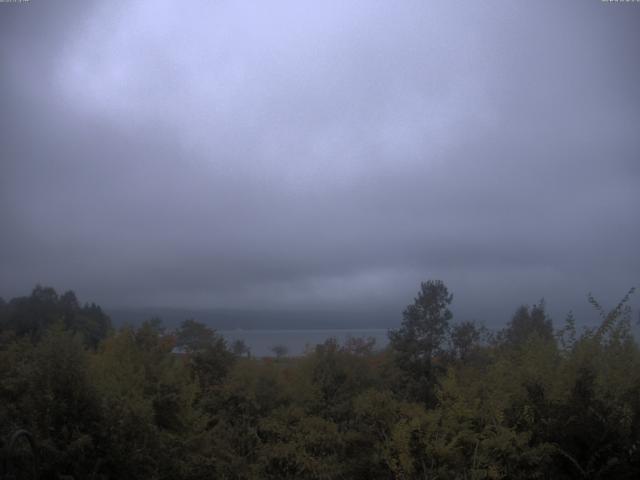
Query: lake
x=296 y=341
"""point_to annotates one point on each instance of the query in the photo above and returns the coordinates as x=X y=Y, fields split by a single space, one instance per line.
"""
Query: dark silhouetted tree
x=420 y=338
x=465 y=338
x=193 y=335
x=240 y=349
x=527 y=321
x=280 y=350
x=209 y=355
x=32 y=316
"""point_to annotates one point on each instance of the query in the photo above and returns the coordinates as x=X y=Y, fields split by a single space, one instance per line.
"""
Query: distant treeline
x=443 y=400
x=271 y=319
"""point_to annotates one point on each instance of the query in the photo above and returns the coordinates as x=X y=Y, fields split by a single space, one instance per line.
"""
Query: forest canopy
x=445 y=399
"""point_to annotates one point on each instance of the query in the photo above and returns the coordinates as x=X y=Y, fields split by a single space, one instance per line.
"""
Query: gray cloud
x=290 y=154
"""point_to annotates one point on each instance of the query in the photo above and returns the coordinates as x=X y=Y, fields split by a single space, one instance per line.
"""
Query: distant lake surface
x=296 y=341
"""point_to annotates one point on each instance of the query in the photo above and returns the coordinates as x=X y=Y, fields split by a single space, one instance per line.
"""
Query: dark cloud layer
x=320 y=155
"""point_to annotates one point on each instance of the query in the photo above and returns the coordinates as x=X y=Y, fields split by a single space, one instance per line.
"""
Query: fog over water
x=296 y=342
x=321 y=156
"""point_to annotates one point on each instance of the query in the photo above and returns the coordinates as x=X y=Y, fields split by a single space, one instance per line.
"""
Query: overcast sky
x=320 y=155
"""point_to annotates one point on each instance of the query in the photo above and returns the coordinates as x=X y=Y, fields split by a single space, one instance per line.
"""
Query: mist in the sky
x=321 y=156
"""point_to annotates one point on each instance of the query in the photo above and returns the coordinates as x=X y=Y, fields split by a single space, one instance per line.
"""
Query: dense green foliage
x=444 y=401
